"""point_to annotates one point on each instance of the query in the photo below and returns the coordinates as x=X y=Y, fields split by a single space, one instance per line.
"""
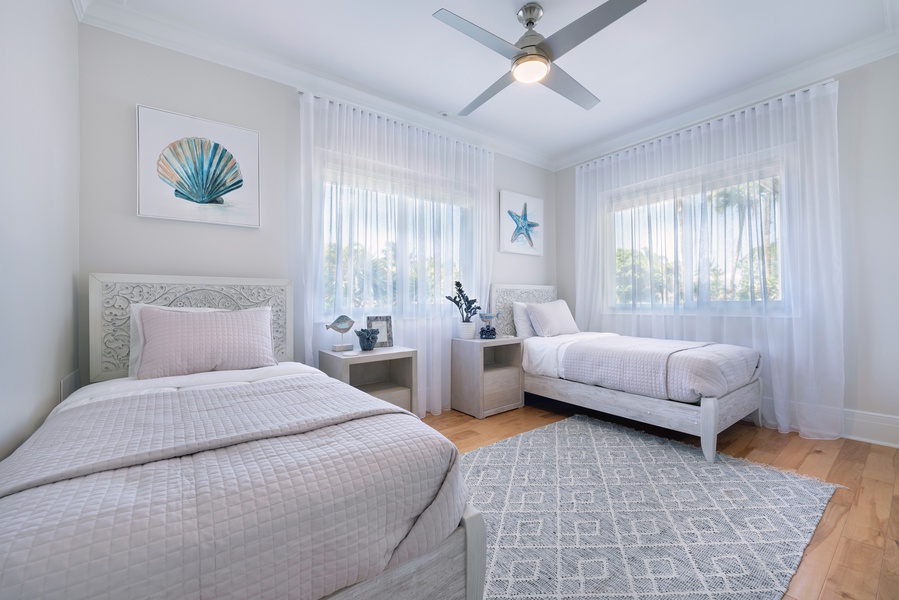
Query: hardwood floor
x=855 y=550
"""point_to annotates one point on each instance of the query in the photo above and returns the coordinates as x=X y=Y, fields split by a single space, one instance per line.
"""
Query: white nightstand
x=486 y=376
x=390 y=374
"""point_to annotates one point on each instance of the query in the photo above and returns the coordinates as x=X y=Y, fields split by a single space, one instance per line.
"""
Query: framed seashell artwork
x=191 y=169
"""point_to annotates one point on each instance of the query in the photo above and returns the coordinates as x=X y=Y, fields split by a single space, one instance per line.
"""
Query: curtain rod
x=718 y=117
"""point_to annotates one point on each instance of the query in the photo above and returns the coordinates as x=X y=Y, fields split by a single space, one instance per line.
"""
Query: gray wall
x=869 y=162
x=117 y=73
x=517 y=176
x=39 y=228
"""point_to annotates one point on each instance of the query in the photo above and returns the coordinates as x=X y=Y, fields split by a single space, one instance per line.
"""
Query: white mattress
x=663 y=369
x=272 y=483
x=544 y=355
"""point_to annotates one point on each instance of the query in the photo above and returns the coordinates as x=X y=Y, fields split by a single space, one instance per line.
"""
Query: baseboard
x=871 y=427
x=68 y=385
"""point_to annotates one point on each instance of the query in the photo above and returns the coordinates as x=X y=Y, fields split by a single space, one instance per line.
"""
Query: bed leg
x=708 y=427
x=756 y=417
x=475 y=553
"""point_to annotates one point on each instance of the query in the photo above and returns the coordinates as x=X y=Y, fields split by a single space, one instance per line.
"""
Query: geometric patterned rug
x=588 y=509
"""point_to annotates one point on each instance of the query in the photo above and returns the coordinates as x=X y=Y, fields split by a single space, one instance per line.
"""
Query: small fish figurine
x=487 y=317
x=341 y=324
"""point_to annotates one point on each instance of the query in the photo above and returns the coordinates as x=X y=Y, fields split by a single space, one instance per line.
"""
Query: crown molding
x=125 y=21
x=81 y=7
x=121 y=19
x=825 y=67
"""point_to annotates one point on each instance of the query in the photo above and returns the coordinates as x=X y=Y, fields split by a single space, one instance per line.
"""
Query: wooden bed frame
x=706 y=419
x=455 y=569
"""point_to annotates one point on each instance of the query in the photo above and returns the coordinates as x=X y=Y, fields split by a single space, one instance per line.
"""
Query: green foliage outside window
x=731 y=234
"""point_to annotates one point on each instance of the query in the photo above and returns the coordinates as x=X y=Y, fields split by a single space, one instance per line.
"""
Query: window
x=386 y=251
x=691 y=246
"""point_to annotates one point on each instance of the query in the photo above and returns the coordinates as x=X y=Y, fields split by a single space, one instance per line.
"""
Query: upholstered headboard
x=503 y=295
x=110 y=297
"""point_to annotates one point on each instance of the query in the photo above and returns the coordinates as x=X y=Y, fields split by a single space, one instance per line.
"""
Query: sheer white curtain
x=391 y=216
x=728 y=231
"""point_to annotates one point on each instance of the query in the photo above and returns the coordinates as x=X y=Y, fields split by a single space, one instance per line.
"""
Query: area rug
x=587 y=509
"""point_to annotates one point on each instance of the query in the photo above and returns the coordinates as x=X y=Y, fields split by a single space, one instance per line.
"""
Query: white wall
x=565 y=279
x=517 y=176
x=869 y=184
x=39 y=228
x=869 y=163
x=117 y=73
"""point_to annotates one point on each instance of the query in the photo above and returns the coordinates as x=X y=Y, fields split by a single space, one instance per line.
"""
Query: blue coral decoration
x=200 y=170
x=367 y=338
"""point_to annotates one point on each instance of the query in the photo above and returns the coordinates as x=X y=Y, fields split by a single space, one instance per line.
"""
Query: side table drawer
x=486 y=376
x=502 y=386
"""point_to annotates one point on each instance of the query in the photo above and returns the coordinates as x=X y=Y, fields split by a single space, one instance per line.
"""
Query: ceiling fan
x=533 y=56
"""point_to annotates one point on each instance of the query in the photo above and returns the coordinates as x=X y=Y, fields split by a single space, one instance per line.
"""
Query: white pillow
x=523 y=327
x=552 y=318
x=186 y=342
x=137 y=332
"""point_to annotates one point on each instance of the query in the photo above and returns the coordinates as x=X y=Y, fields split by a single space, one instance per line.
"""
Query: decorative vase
x=466 y=330
x=367 y=338
x=488 y=331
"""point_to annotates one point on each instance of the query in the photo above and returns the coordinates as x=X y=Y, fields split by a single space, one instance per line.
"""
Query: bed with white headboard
x=242 y=481
x=706 y=417
x=110 y=296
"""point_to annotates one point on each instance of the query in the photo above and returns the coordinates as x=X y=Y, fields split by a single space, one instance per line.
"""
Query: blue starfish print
x=523 y=227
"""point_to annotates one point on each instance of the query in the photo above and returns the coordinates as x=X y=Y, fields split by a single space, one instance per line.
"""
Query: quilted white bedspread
x=288 y=487
x=664 y=369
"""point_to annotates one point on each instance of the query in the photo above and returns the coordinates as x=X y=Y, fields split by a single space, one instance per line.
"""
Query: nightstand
x=390 y=374
x=486 y=376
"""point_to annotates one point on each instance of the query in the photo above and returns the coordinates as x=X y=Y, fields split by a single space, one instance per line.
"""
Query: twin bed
x=264 y=480
x=695 y=388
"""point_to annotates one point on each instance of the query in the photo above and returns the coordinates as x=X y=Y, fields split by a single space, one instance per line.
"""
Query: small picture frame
x=385 y=327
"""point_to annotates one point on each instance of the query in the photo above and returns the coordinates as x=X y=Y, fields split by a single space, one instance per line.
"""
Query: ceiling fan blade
x=493 y=42
x=564 y=84
x=500 y=84
x=585 y=27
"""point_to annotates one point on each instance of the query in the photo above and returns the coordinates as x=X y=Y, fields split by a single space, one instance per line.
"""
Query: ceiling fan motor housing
x=529 y=14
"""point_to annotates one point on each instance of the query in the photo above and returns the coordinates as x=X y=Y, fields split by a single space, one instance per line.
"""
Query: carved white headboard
x=110 y=297
x=502 y=296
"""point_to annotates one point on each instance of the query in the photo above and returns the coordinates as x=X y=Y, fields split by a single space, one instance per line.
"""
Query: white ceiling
x=665 y=65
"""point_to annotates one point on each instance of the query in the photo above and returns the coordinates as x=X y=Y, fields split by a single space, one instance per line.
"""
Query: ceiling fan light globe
x=530 y=68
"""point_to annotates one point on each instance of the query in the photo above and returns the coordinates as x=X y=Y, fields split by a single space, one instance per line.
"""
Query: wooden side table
x=390 y=374
x=486 y=376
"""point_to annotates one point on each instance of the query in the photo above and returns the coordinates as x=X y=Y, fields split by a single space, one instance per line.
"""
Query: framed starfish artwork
x=521 y=227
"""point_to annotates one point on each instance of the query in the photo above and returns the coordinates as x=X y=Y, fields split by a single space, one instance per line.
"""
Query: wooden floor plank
x=854 y=573
x=870 y=517
x=888 y=586
x=855 y=451
x=818 y=556
x=794 y=453
x=821 y=458
x=882 y=464
x=889 y=572
x=846 y=473
x=842 y=561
